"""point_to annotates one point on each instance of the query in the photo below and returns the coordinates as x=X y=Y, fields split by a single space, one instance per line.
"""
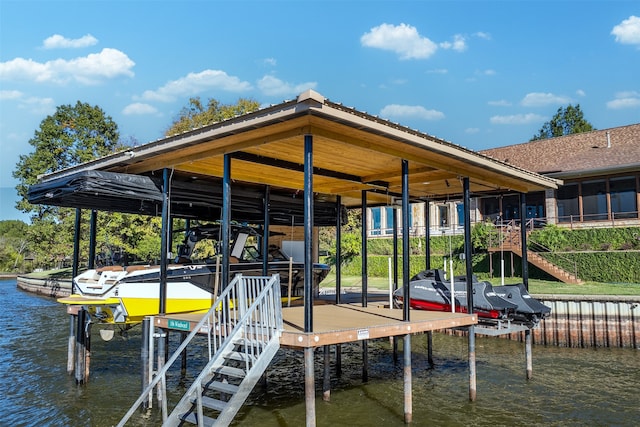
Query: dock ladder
x=244 y=327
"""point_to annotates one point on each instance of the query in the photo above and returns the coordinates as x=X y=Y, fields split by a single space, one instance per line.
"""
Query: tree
x=566 y=121
x=13 y=244
x=72 y=135
x=195 y=115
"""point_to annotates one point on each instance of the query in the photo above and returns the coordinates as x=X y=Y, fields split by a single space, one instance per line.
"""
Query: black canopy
x=141 y=194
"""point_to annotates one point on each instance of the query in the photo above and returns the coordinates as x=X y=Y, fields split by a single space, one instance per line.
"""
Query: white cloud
x=624 y=100
x=90 y=69
x=272 y=86
x=581 y=93
x=472 y=131
x=483 y=35
x=270 y=62
x=410 y=111
x=458 y=44
x=539 y=99
x=628 y=31
x=37 y=106
x=402 y=39
x=139 y=109
x=10 y=94
x=195 y=83
x=500 y=103
x=438 y=71
x=517 y=119
x=57 y=41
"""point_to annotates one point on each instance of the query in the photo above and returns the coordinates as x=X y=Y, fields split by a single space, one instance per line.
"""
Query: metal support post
x=326 y=383
x=145 y=358
x=309 y=388
x=528 y=353
x=408 y=393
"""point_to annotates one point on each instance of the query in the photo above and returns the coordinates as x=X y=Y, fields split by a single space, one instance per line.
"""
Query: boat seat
x=110 y=268
x=137 y=267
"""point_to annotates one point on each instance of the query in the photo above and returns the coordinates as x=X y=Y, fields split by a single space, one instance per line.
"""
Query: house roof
x=352 y=151
x=599 y=152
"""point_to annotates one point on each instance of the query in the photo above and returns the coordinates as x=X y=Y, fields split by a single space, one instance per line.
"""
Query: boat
x=127 y=294
x=430 y=290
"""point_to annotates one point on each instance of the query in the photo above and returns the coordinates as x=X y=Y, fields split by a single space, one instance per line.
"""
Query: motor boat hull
x=118 y=295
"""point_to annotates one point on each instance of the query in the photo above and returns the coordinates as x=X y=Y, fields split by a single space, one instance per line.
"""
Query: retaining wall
x=588 y=321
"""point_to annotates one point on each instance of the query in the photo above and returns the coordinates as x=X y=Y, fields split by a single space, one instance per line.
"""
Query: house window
x=388 y=220
x=623 y=197
x=375 y=222
x=460 y=212
x=443 y=216
x=568 y=207
x=594 y=200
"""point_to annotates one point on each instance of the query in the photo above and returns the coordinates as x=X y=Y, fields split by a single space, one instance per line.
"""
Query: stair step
x=230 y=371
x=223 y=387
x=215 y=404
x=241 y=357
x=193 y=419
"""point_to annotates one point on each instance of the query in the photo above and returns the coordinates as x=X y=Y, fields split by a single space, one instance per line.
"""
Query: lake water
x=570 y=387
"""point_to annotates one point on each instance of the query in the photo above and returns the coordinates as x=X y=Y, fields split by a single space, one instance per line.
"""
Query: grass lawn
x=535 y=286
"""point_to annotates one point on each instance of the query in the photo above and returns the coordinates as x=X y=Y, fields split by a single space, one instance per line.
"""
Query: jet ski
x=530 y=311
x=431 y=291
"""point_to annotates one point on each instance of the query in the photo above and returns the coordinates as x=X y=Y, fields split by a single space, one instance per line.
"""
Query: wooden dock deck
x=342 y=323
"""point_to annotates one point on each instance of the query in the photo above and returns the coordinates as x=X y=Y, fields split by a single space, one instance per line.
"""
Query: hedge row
x=606 y=267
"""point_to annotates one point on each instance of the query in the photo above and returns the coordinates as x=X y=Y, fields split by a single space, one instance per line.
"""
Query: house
x=600 y=171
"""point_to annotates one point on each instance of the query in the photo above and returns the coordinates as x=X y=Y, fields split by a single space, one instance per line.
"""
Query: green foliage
x=598 y=239
x=566 y=121
x=550 y=236
x=607 y=267
x=72 y=135
x=14 y=244
x=484 y=235
x=195 y=115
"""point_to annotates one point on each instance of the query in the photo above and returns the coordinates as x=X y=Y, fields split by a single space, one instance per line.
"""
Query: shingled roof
x=607 y=151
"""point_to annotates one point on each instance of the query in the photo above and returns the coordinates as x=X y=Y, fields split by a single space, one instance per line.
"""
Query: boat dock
x=341 y=323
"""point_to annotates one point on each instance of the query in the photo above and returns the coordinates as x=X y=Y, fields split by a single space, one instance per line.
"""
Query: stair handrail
x=513 y=236
x=225 y=306
x=539 y=248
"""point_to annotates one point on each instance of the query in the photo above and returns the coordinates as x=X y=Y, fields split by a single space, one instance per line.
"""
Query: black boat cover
x=141 y=194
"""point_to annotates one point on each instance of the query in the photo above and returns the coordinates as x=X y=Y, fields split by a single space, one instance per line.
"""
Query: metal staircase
x=244 y=327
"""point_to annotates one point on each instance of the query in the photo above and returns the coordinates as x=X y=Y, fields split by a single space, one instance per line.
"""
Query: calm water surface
x=571 y=387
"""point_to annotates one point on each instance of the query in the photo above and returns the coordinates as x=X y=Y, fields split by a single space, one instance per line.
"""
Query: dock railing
x=249 y=306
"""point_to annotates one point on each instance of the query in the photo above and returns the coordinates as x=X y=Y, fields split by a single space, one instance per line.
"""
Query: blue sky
x=480 y=74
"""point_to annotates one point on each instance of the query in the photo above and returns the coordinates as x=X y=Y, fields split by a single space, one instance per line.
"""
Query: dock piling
x=145 y=358
x=82 y=347
x=71 y=347
x=528 y=353
x=326 y=386
x=472 y=364
x=408 y=394
x=309 y=388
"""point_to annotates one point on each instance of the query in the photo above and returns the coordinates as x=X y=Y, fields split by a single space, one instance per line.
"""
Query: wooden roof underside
x=352 y=151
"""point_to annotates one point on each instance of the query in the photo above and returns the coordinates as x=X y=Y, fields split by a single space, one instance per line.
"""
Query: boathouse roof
x=352 y=151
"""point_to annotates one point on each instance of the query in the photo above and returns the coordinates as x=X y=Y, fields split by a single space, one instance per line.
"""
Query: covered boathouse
x=303 y=162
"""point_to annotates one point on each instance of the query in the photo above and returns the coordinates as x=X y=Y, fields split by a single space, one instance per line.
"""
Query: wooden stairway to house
x=511 y=243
